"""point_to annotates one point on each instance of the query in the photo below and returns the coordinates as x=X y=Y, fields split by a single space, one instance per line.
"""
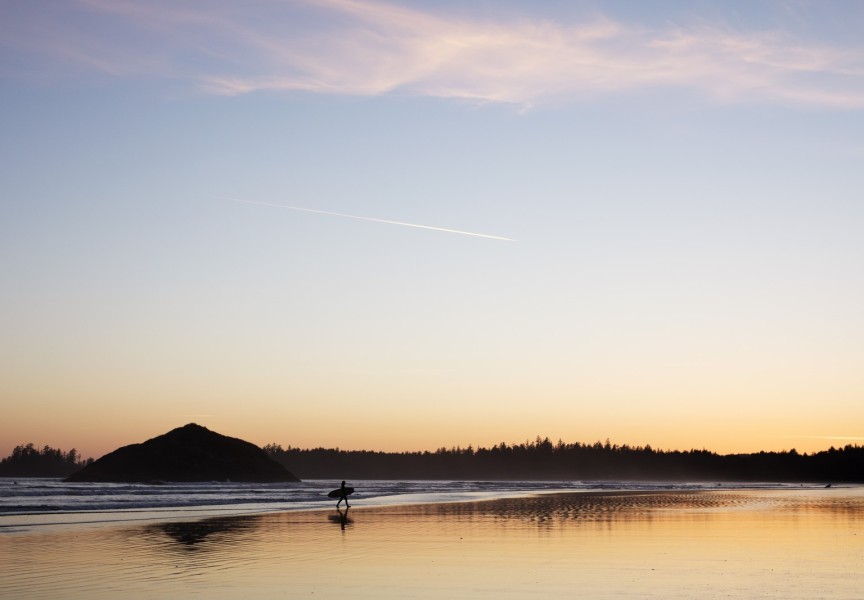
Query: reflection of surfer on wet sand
x=341 y=493
x=341 y=518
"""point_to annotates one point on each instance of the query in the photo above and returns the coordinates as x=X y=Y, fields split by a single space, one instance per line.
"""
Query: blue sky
x=683 y=183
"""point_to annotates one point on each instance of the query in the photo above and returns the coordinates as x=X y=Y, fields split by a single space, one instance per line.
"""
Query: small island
x=186 y=454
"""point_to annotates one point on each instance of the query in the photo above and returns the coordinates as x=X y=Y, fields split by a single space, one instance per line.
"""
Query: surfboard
x=337 y=493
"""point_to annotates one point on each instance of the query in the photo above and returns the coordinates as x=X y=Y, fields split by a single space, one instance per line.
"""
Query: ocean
x=34 y=502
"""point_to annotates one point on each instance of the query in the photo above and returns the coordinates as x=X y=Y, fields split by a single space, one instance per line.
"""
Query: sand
x=730 y=544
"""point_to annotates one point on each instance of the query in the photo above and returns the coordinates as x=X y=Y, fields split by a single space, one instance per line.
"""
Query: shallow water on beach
x=53 y=496
x=666 y=544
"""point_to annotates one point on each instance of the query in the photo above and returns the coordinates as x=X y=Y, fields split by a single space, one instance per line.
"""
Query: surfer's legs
x=340 y=501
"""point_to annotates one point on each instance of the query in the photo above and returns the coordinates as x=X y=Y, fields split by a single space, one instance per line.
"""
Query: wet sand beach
x=703 y=544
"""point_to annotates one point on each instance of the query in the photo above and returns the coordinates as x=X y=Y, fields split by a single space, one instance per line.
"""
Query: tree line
x=543 y=460
x=531 y=460
x=28 y=461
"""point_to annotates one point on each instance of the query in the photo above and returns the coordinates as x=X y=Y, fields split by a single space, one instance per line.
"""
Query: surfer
x=341 y=493
x=344 y=495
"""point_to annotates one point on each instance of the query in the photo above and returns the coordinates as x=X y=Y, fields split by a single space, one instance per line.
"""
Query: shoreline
x=41 y=521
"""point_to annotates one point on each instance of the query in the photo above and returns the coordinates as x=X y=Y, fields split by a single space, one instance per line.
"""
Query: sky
x=406 y=225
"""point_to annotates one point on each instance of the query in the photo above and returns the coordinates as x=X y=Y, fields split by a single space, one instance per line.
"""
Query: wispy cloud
x=354 y=47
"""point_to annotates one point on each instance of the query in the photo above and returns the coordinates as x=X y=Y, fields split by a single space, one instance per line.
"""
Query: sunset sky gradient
x=204 y=212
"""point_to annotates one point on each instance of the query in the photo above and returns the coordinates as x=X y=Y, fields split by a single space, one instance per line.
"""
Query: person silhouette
x=341 y=493
x=344 y=495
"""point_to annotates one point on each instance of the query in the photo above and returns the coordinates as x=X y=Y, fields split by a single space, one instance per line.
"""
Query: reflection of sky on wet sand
x=774 y=544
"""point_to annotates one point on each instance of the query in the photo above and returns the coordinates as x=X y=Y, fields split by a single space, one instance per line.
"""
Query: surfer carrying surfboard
x=341 y=493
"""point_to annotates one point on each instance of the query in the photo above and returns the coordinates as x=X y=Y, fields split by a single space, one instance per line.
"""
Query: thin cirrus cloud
x=353 y=47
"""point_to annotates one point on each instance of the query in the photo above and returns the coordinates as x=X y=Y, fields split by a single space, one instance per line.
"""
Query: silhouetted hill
x=189 y=453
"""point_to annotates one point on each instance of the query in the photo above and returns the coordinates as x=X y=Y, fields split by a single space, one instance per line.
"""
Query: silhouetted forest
x=543 y=460
x=29 y=461
x=537 y=460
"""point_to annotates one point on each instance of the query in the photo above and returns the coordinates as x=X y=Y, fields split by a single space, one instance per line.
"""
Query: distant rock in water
x=189 y=453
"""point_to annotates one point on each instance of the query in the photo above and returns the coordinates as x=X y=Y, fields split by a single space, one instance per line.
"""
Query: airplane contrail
x=823 y=437
x=374 y=220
